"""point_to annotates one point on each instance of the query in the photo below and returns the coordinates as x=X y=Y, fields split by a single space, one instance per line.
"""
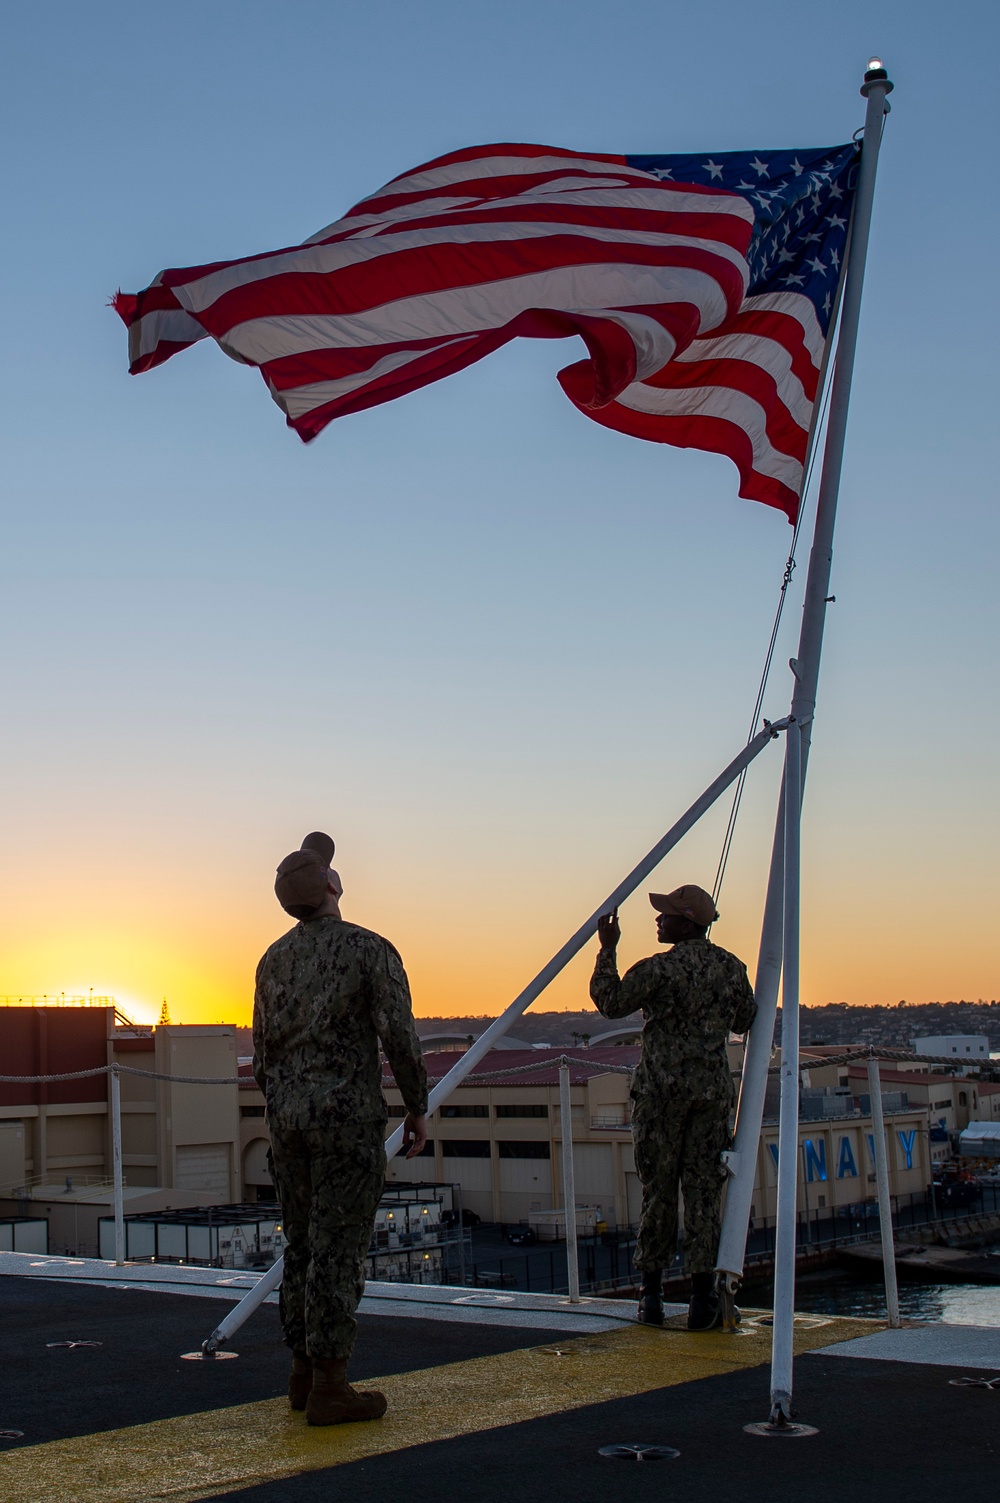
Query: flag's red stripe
x=431 y=366
x=785 y=434
x=613 y=349
x=726 y=229
x=338 y=362
x=162 y=353
x=785 y=331
x=442 y=269
x=153 y=300
x=517 y=184
x=526 y=149
x=717 y=435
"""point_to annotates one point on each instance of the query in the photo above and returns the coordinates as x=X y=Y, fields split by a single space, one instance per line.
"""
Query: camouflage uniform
x=692 y=996
x=327 y=992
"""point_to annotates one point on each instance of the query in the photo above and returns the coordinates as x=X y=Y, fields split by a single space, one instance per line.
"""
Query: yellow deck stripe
x=197 y=1456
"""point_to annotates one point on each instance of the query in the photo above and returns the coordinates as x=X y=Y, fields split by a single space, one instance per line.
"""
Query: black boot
x=703 y=1309
x=651 y=1298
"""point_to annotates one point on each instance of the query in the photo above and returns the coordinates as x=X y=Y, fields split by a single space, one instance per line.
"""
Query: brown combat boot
x=332 y=1400
x=300 y=1380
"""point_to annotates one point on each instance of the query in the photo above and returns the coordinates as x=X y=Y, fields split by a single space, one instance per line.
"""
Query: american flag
x=688 y=280
x=749 y=390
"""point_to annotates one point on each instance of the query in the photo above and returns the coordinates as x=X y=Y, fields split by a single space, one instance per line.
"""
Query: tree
x=164 y=1013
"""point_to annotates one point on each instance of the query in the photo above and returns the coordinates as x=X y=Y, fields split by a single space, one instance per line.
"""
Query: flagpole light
x=875 y=74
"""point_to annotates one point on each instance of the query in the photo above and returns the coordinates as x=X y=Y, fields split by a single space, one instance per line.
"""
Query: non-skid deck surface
x=479 y=1412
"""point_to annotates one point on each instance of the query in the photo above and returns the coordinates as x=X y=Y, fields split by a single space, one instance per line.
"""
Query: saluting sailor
x=691 y=997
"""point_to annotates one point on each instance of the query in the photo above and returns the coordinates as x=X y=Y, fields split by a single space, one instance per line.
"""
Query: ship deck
x=494 y=1398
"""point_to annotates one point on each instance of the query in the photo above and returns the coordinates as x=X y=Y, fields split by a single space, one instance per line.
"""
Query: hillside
x=831 y=1023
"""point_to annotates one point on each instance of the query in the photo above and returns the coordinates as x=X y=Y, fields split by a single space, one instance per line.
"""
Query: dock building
x=499 y=1140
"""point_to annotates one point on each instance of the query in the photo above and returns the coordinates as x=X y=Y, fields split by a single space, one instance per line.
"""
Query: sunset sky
x=492 y=647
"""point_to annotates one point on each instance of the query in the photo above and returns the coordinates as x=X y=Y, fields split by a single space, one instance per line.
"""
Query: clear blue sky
x=494 y=647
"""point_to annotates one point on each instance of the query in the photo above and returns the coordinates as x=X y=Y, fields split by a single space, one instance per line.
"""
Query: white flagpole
x=884 y=1200
x=116 y=1162
x=783 y=1329
x=569 y=1182
x=805 y=667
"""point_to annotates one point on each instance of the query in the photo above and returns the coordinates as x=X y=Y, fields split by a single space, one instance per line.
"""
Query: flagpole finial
x=875 y=75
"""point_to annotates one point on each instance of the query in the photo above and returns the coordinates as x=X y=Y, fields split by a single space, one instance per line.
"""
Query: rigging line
x=829 y=368
x=786 y=580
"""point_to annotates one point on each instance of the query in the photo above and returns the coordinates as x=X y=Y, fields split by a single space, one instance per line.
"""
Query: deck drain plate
x=634 y=1450
x=789 y=1429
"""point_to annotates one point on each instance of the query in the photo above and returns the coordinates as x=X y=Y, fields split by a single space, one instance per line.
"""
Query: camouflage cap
x=688 y=902
x=301 y=883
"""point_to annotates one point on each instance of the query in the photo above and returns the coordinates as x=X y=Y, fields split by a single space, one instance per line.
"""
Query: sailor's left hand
x=414 y=1134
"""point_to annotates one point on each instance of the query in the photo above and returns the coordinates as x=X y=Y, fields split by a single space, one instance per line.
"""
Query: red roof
x=906 y=1077
x=597 y=1062
x=246 y=1079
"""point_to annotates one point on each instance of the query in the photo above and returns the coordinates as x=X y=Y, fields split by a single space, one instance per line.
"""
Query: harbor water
x=846 y=1293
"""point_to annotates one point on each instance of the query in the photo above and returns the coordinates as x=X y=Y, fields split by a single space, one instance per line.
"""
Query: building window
x=522 y=1111
x=463 y=1111
x=961 y=1098
x=251 y=1111
x=396 y=1111
x=465 y=1148
x=524 y=1150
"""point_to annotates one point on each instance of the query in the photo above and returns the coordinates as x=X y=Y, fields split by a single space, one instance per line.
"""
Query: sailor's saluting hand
x=609 y=930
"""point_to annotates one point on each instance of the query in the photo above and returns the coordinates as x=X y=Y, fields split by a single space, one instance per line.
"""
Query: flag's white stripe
x=651 y=201
x=296 y=401
x=172 y=325
x=795 y=305
x=437 y=176
x=766 y=354
x=322 y=260
x=654 y=345
x=720 y=402
x=654 y=348
x=713 y=344
x=469 y=310
x=630 y=195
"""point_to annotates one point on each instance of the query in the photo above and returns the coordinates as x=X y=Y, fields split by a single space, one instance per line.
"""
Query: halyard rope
x=790 y=562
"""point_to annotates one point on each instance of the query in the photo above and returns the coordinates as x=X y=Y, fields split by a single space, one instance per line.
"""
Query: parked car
x=957 y=1193
x=520 y=1236
x=469 y=1218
